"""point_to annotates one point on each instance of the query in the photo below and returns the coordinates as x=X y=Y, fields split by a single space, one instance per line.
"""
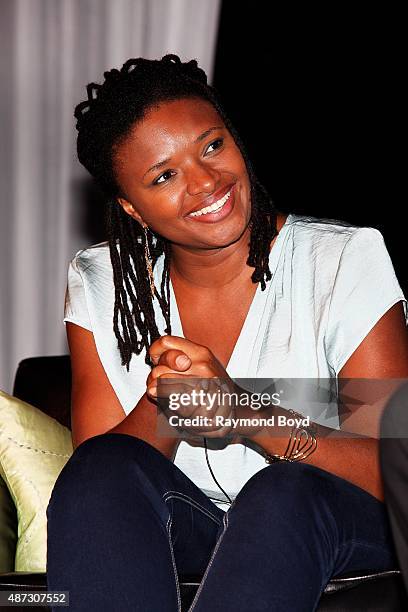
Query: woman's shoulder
x=93 y=255
x=319 y=248
x=321 y=225
x=329 y=235
x=91 y=268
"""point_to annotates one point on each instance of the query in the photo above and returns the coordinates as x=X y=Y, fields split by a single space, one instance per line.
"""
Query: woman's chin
x=223 y=242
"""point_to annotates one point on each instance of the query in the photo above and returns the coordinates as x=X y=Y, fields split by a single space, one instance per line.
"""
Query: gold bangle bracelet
x=302 y=443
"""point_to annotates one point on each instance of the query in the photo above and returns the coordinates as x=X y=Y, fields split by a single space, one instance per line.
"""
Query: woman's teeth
x=214 y=207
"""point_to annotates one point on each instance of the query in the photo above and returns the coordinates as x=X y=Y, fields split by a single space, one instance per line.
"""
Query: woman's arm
x=382 y=357
x=383 y=354
x=95 y=408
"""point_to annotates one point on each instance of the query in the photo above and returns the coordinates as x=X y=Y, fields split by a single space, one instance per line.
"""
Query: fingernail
x=182 y=361
x=152 y=390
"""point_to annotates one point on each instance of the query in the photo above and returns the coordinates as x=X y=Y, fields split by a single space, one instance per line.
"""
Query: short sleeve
x=365 y=287
x=76 y=310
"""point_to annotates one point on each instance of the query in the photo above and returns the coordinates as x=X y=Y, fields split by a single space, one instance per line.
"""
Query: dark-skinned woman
x=202 y=279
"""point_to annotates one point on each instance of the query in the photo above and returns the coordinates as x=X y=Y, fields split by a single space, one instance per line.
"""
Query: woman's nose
x=201 y=179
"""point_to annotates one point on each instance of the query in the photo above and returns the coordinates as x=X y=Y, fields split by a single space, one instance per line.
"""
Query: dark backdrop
x=315 y=94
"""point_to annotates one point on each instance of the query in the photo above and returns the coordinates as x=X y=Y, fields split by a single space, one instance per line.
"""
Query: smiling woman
x=202 y=280
x=202 y=180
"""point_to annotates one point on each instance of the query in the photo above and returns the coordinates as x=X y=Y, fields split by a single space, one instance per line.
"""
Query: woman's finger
x=167 y=342
x=155 y=373
x=175 y=359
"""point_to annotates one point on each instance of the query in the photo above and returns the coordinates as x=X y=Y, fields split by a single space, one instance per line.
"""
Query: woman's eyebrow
x=207 y=132
x=199 y=138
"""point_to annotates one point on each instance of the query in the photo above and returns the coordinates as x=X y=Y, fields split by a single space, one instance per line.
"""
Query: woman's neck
x=210 y=269
x=214 y=269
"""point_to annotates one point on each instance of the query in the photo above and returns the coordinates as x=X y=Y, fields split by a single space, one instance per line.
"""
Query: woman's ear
x=130 y=210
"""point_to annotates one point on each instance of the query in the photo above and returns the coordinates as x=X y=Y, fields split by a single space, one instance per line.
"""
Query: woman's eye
x=165 y=176
x=216 y=144
x=213 y=146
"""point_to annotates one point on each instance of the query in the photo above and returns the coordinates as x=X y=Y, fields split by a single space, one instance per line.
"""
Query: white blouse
x=331 y=283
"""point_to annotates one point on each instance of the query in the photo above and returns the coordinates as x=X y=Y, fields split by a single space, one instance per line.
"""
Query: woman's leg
x=291 y=528
x=123 y=520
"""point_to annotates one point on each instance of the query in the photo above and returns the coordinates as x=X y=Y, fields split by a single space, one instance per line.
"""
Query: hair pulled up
x=104 y=121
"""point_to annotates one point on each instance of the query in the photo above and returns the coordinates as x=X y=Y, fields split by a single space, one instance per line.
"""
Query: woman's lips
x=218 y=215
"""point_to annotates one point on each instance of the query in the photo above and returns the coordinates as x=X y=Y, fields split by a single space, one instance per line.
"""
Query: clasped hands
x=196 y=372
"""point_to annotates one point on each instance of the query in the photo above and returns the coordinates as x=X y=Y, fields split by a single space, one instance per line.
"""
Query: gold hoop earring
x=148 y=260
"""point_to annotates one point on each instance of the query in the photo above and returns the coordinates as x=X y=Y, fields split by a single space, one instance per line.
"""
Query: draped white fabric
x=49 y=51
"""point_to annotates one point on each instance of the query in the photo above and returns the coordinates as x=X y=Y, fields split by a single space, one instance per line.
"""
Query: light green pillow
x=33 y=450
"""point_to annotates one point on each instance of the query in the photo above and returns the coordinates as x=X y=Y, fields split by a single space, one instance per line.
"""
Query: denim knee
x=285 y=487
x=91 y=457
x=111 y=446
x=102 y=465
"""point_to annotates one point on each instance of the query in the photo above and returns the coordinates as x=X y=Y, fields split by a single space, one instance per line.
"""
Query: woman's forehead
x=176 y=116
x=169 y=126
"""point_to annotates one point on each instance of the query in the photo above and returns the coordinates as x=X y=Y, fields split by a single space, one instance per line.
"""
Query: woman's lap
x=290 y=524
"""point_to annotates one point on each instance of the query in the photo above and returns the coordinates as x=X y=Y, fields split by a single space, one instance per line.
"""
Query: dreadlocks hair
x=104 y=121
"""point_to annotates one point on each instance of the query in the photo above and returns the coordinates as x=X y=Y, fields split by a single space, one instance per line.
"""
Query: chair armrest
x=15 y=581
x=45 y=382
x=352 y=592
x=19 y=582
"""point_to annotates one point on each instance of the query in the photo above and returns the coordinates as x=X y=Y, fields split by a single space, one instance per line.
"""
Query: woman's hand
x=201 y=376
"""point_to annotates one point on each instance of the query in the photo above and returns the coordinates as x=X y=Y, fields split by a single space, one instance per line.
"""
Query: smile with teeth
x=213 y=208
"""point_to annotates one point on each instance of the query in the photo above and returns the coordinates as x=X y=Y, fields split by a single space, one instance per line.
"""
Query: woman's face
x=180 y=159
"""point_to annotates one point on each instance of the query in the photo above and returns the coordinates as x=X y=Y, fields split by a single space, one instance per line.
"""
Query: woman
x=200 y=266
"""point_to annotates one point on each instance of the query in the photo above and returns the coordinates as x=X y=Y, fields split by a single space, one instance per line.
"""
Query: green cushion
x=33 y=450
x=8 y=529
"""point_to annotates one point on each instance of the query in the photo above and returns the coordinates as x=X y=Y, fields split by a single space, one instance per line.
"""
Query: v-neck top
x=331 y=283
x=247 y=336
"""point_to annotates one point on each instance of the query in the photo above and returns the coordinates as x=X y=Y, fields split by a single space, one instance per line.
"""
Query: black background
x=315 y=94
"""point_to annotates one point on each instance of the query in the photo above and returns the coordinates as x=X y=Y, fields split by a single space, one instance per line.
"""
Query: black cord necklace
x=212 y=473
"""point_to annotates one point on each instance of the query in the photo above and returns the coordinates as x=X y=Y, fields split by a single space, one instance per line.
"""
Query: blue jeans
x=123 y=521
